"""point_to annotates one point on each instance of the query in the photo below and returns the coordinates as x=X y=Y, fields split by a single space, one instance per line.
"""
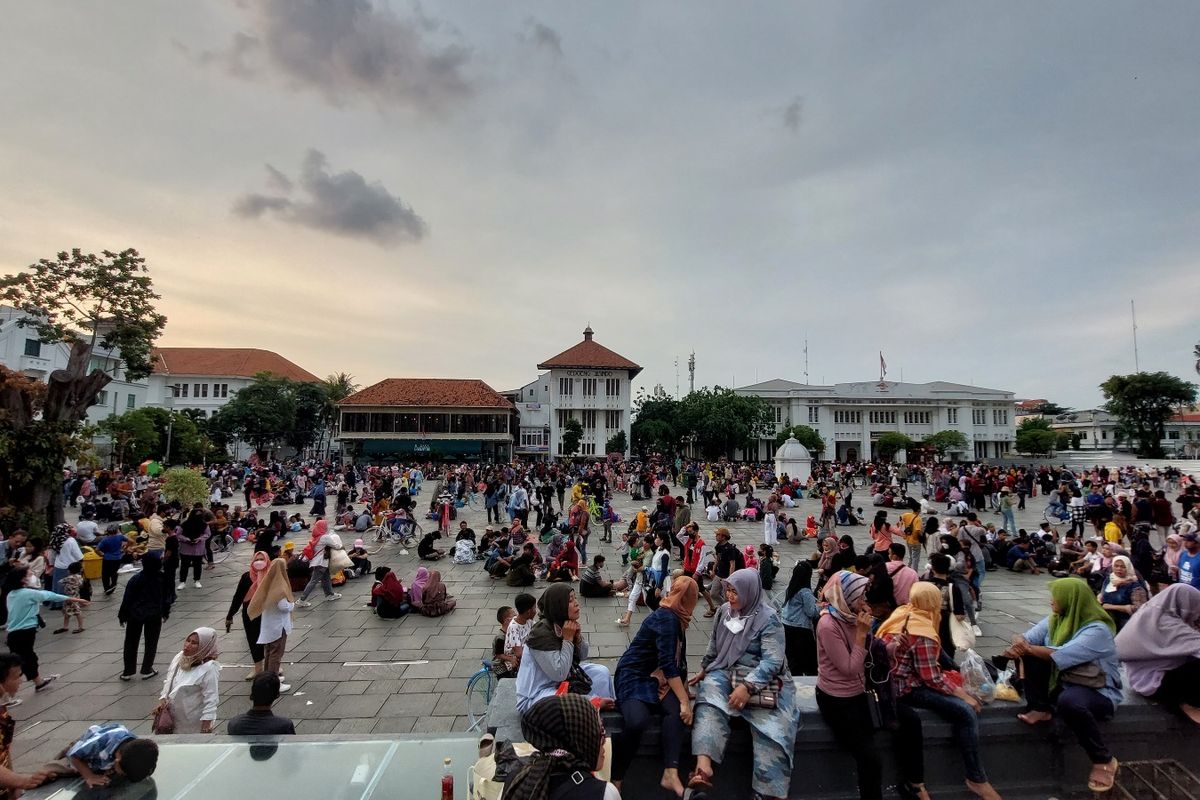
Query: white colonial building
x=206 y=378
x=850 y=417
x=1097 y=430
x=587 y=382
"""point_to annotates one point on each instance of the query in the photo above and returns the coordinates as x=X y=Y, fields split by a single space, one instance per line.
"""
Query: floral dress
x=70 y=587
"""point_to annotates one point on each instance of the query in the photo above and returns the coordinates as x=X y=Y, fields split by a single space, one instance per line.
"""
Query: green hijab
x=1077 y=607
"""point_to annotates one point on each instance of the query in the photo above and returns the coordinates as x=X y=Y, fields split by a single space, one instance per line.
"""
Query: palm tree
x=337 y=387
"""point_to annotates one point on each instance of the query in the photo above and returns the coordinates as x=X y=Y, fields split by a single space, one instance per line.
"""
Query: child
x=70 y=587
x=636 y=580
x=810 y=527
x=503 y=666
x=111 y=750
x=360 y=557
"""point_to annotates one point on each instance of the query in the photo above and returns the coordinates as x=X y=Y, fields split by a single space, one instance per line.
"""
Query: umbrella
x=150 y=467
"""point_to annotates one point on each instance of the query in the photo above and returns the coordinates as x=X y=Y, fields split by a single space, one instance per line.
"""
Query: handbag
x=338 y=560
x=1087 y=674
x=164 y=719
x=577 y=682
x=764 y=697
x=961 y=633
x=881 y=696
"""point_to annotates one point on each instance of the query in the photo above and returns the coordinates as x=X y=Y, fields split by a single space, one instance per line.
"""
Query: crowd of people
x=897 y=614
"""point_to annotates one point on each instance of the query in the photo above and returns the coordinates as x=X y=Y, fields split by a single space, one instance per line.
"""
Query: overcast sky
x=456 y=190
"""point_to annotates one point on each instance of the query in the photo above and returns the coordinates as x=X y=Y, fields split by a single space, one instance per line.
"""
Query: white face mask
x=735 y=624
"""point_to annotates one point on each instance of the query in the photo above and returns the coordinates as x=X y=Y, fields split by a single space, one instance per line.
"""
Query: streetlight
x=169 y=403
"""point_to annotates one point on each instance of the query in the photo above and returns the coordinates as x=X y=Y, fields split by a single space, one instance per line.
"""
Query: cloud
x=542 y=35
x=340 y=203
x=349 y=50
x=792 y=114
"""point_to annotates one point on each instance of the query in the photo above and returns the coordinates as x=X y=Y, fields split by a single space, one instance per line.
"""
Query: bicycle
x=222 y=547
x=480 y=687
x=406 y=535
x=1056 y=514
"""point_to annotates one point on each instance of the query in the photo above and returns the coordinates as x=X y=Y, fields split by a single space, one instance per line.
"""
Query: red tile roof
x=448 y=392
x=590 y=354
x=242 y=362
x=1185 y=417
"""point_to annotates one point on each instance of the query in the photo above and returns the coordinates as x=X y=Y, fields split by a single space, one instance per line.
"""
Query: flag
x=882 y=365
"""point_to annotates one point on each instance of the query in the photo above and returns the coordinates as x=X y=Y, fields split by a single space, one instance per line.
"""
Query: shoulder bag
x=164 y=719
x=765 y=697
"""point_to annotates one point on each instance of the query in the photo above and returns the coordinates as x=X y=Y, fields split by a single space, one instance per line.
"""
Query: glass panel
x=416 y=768
x=330 y=771
x=178 y=766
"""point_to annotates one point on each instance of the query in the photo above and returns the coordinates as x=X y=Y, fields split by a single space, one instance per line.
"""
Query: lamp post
x=169 y=403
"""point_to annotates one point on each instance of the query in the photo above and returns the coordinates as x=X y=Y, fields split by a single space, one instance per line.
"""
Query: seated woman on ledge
x=1071 y=668
x=747 y=654
x=555 y=653
x=1161 y=649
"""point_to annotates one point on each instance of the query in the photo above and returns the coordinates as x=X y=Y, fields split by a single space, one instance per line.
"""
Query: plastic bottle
x=447 y=780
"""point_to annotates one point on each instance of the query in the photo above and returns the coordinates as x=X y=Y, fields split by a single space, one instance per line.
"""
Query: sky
x=978 y=190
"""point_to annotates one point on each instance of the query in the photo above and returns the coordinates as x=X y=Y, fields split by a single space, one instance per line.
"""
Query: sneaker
x=148 y=675
x=976 y=630
x=285 y=687
x=127 y=678
x=303 y=604
x=197 y=585
x=44 y=684
x=181 y=585
x=334 y=596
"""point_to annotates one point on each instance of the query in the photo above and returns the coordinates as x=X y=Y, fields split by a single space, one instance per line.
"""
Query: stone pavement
x=416 y=670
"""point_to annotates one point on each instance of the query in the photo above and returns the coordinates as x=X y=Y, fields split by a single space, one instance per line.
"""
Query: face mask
x=258 y=566
x=735 y=624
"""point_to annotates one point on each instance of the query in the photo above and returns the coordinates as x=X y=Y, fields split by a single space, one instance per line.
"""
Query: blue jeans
x=1009 y=520
x=963 y=719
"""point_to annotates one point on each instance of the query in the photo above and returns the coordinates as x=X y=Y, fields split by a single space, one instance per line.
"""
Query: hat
x=359 y=543
x=289 y=547
x=1190 y=536
x=644 y=508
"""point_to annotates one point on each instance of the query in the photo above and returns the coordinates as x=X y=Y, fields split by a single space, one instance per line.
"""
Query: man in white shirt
x=713 y=512
x=520 y=626
x=86 y=530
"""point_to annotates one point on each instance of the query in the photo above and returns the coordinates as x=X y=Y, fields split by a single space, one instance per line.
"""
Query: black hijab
x=554 y=607
x=801 y=579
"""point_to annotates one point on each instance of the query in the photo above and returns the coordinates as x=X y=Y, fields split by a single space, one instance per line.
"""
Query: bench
x=1022 y=761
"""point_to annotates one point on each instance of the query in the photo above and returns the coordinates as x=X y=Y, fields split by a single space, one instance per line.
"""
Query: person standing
x=145 y=606
x=191 y=686
x=112 y=549
x=272 y=605
x=247 y=587
x=23 y=605
x=322 y=544
x=64 y=551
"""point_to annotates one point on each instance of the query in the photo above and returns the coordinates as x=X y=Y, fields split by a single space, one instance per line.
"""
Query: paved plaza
x=354 y=673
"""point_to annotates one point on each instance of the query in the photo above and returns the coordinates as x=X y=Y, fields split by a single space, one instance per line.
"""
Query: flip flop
x=61 y=630
x=1096 y=786
x=711 y=613
x=699 y=779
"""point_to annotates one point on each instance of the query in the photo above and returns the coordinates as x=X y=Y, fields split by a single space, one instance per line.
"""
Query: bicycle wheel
x=222 y=548
x=479 y=695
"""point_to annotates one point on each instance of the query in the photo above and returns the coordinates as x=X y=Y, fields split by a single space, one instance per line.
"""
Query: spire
x=587 y=333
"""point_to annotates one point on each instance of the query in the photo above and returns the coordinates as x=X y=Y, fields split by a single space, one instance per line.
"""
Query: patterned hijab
x=569 y=736
x=842 y=592
x=59 y=537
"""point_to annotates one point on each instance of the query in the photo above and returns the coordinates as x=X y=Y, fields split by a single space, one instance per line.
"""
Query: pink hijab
x=416 y=591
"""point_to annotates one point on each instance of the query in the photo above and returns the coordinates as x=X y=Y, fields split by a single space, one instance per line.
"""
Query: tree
x=133 y=435
x=946 y=441
x=1062 y=440
x=1048 y=409
x=616 y=443
x=572 y=434
x=719 y=420
x=656 y=422
x=273 y=411
x=1035 y=437
x=890 y=443
x=337 y=387
x=805 y=435
x=185 y=485
x=1143 y=403
x=81 y=300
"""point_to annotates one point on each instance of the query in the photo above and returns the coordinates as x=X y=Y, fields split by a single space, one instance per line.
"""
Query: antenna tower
x=692 y=372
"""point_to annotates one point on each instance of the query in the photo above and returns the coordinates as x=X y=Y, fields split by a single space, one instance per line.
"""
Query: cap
x=1190 y=536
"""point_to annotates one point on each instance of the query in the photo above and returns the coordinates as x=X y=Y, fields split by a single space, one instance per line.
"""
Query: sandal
x=699 y=779
x=1109 y=771
x=712 y=612
x=61 y=630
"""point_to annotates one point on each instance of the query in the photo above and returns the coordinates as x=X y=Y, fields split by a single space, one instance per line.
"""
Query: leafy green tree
x=185 y=485
x=1062 y=440
x=946 y=441
x=261 y=414
x=133 y=435
x=656 y=422
x=616 y=443
x=337 y=387
x=804 y=435
x=1143 y=403
x=1048 y=409
x=719 y=420
x=310 y=402
x=82 y=300
x=1035 y=437
x=890 y=443
x=571 y=437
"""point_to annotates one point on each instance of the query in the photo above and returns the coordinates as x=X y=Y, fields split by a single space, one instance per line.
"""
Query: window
x=882 y=417
x=1103 y=434
x=999 y=417
x=203 y=390
x=589 y=419
x=778 y=414
x=612 y=387
x=130 y=401
x=563 y=416
x=589 y=387
x=916 y=417
x=33 y=348
x=566 y=387
x=952 y=416
x=847 y=417
x=224 y=390
x=195 y=390
x=181 y=390
x=813 y=415
x=533 y=437
x=612 y=420
x=102 y=398
x=1172 y=434
x=1082 y=435
x=978 y=416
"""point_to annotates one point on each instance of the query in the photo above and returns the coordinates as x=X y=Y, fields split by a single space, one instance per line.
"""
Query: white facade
x=531 y=438
x=598 y=398
x=1097 y=430
x=850 y=417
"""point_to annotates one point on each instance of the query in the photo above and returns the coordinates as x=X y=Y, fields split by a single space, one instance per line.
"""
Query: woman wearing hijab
x=1161 y=649
x=435 y=599
x=566 y=566
x=1071 y=667
x=841 y=689
x=569 y=738
x=1123 y=592
x=318 y=551
x=388 y=597
x=555 y=649
x=913 y=643
x=844 y=555
x=799 y=616
x=650 y=680
x=272 y=605
x=417 y=588
x=190 y=688
x=747 y=653
x=247 y=586
x=1171 y=554
x=145 y=606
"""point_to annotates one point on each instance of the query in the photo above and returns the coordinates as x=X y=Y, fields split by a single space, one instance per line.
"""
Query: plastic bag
x=1005 y=689
x=976 y=678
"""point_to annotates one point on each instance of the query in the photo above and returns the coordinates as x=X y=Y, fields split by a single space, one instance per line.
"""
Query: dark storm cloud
x=349 y=50
x=540 y=34
x=342 y=203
